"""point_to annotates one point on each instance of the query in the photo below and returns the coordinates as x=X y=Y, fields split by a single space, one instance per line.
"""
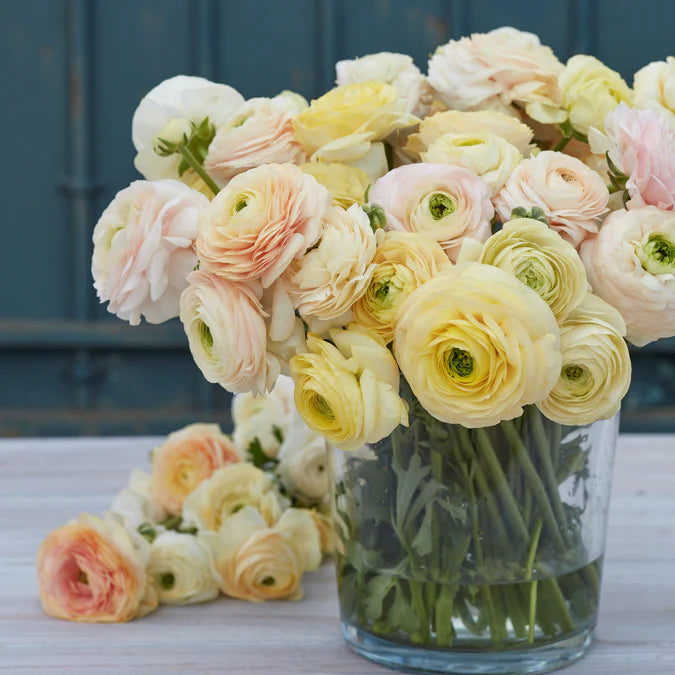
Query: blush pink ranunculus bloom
x=90 y=570
x=144 y=249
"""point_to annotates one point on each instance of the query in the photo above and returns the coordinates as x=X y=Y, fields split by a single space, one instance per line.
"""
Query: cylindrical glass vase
x=473 y=550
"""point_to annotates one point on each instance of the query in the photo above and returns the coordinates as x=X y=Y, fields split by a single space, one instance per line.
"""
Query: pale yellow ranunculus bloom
x=654 y=87
x=347 y=184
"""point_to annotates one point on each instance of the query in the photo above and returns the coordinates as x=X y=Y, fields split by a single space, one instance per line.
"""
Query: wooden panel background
x=72 y=74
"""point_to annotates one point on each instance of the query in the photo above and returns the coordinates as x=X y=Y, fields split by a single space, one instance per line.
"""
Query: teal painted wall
x=72 y=74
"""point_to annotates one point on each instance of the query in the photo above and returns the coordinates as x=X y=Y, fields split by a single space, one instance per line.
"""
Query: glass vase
x=473 y=550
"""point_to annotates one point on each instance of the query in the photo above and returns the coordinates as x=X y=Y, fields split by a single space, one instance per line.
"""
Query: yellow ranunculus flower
x=362 y=113
x=596 y=367
x=404 y=261
x=540 y=258
x=590 y=90
x=347 y=184
x=476 y=345
x=348 y=391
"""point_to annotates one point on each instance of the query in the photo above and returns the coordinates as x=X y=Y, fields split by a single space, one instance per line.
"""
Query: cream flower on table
x=144 y=249
x=476 y=345
x=572 y=196
x=134 y=504
x=348 y=390
x=596 y=367
x=264 y=218
x=654 y=88
x=182 y=569
x=631 y=265
x=446 y=202
x=403 y=261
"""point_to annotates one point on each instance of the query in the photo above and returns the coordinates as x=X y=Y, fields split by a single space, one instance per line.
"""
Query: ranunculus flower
x=596 y=369
x=302 y=464
x=403 y=261
x=144 y=249
x=572 y=196
x=631 y=265
x=263 y=219
x=180 y=97
x=258 y=563
x=324 y=524
x=134 y=504
x=506 y=63
x=261 y=132
x=654 y=88
x=227 y=491
x=226 y=332
x=541 y=259
x=348 y=390
x=342 y=124
x=266 y=417
x=347 y=184
x=590 y=90
x=476 y=345
x=642 y=145
x=446 y=202
x=182 y=569
x=399 y=70
x=185 y=459
x=90 y=570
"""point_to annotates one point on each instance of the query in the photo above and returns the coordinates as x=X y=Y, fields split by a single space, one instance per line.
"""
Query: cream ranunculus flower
x=347 y=184
x=476 y=345
x=540 y=258
x=263 y=219
x=182 y=569
x=631 y=265
x=348 y=391
x=227 y=491
x=403 y=261
x=485 y=154
x=590 y=90
x=302 y=464
x=134 y=504
x=654 y=88
x=596 y=367
x=350 y=118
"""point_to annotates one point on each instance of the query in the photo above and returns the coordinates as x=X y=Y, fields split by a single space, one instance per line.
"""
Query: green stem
x=556 y=438
x=445 y=631
x=533 y=610
x=419 y=607
x=560 y=145
x=557 y=604
x=198 y=169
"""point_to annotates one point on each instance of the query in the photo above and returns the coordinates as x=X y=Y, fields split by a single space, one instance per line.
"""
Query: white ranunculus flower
x=654 y=88
x=134 y=504
x=182 y=569
x=184 y=97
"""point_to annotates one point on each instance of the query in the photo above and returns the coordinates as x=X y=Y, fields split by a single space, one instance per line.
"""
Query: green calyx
x=147 y=531
x=534 y=213
x=376 y=215
x=460 y=362
x=657 y=254
x=166 y=580
x=440 y=205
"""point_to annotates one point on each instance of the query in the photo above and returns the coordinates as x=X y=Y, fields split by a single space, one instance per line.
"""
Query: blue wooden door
x=71 y=75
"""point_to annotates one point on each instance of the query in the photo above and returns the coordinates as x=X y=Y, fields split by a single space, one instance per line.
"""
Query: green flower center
x=82 y=577
x=574 y=373
x=657 y=254
x=322 y=408
x=530 y=277
x=205 y=337
x=268 y=581
x=440 y=205
x=166 y=580
x=460 y=362
x=241 y=204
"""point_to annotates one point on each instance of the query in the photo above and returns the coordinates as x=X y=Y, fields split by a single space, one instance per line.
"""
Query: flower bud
x=176 y=132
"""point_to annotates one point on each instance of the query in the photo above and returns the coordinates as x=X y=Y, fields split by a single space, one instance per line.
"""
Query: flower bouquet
x=447 y=266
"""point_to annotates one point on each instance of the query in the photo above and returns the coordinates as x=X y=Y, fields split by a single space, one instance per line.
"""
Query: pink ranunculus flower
x=264 y=218
x=260 y=133
x=90 y=570
x=641 y=144
x=445 y=201
x=572 y=195
x=144 y=249
x=631 y=265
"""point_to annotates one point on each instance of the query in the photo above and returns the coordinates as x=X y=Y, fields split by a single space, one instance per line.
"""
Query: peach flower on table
x=185 y=459
x=572 y=196
x=446 y=202
x=90 y=570
x=144 y=249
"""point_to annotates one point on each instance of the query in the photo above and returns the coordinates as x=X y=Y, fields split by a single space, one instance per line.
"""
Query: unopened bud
x=175 y=134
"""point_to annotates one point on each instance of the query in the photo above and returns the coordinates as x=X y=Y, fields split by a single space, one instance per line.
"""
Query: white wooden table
x=44 y=483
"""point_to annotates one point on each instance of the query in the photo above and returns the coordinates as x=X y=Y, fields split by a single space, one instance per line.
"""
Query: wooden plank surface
x=44 y=483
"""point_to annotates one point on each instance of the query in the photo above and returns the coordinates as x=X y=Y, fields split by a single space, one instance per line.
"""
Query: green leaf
x=377 y=590
x=258 y=457
x=401 y=614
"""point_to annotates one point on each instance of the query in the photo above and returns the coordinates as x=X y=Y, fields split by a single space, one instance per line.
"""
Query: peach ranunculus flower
x=347 y=184
x=631 y=265
x=596 y=367
x=226 y=332
x=641 y=144
x=476 y=345
x=446 y=202
x=185 y=459
x=654 y=88
x=572 y=196
x=264 y=218
x=403 y=261
x=505 y=63
x=144 y=249
x=261 y=132
x=90 y=570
